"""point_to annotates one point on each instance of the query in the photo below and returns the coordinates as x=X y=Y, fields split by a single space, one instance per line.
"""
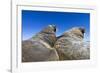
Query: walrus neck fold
x=48 y=38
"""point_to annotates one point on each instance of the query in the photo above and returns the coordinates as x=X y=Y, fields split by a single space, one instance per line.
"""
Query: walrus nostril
x=82 y=30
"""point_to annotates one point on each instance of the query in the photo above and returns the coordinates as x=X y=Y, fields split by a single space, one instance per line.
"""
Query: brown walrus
x=40 y=46
x=70 y=45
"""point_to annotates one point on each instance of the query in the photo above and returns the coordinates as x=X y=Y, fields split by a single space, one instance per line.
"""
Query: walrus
x=40 y=46
x=70 y=45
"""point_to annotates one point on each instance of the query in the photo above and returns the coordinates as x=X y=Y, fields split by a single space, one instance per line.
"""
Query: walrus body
x=70 y=45
x=40 y=47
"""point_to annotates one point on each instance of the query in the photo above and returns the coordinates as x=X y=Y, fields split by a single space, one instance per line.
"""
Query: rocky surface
x=70 y=45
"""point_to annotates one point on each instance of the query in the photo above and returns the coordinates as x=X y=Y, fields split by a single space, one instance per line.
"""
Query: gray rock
x=40 y=46
x=70 y=45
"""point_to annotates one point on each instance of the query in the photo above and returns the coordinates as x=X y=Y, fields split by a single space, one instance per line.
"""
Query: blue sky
x=35 y=21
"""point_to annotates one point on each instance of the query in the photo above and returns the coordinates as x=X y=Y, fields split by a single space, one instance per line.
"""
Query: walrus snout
x=53 y=27
x=82 y=30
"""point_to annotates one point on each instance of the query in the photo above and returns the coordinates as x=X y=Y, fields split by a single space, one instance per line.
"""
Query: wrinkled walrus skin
x=40 y=46
x=70 y=45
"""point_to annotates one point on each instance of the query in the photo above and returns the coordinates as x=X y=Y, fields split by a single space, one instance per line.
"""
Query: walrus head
x=49 y=29
x=48 y=34
x=78 y=31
